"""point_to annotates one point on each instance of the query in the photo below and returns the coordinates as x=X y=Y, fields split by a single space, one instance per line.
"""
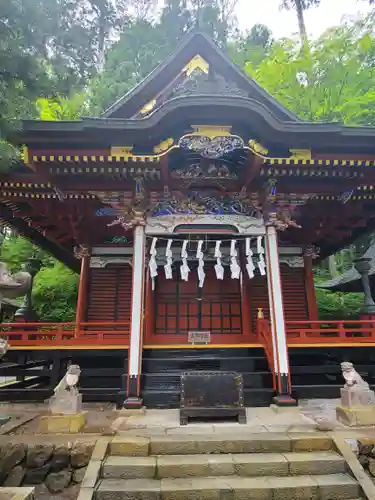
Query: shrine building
x=193 y=210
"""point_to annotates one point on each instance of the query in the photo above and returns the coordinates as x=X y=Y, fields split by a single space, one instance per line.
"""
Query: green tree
x=55 y=293
x=300 y=6
x=55 y=286
x=252 y=46
x=334 y=81
x=141 y=46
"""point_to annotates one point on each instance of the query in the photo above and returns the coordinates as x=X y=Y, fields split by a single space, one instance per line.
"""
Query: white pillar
x=278 y=320
x=136 y=327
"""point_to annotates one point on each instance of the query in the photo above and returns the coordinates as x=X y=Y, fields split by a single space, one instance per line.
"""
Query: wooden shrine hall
x=193 y=209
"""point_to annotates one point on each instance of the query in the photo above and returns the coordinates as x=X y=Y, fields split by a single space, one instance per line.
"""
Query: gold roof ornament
x=300 y=154
x=211 y=130
x=121 y=151
x=196 y=63
x=147 y=108
x=257 y=147
x=163 y=145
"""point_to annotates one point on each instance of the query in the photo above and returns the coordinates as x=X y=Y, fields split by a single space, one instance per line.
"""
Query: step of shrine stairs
x=230 y=466
x=161 y=370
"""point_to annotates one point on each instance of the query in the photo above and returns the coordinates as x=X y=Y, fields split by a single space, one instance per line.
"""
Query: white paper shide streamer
x=152 y=265
x=250 y=268
x=184 y=269
x=235 y=269
x=219 y=269
x=200 y=256
x=168 y=265
x=261 y=262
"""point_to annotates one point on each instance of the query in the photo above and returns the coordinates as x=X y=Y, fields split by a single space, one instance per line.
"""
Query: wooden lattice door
x=182 y=307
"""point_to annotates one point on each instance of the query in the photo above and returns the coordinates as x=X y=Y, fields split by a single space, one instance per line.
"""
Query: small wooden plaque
x=199 y=337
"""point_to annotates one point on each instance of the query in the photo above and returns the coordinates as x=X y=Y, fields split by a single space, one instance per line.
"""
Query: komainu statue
x=356 y=392
x=69 y=382
x=66 y=399
x=357 y=399
x=353 y=379
x=3 y=347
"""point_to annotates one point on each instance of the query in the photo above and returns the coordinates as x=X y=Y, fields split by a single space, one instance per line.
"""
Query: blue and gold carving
x=204 y=172
x=204 y=204
x=211 y=147
x=105 y=212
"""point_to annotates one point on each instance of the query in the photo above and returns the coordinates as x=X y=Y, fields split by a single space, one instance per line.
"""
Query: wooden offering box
x=211 y=395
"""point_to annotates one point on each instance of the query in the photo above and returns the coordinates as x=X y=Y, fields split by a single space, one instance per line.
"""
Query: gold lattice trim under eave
x=332 y=163
x=45 y=196
x=331 y=197
x=309 y=172
x=26 y=185
x=95 y=159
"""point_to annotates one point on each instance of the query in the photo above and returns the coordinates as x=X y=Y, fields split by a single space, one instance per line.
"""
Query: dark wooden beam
x=58 y=251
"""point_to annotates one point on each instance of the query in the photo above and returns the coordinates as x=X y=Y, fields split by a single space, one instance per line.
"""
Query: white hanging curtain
x=261 y=262
x=200 y=257
x=168 y=265
x=153 y=267
x=184 y=269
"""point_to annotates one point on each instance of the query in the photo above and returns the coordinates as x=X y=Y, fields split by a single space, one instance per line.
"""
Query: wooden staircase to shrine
x=162 y=368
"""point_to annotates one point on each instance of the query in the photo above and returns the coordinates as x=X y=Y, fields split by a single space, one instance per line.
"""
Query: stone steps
x=242 y=464
x=319 y=487
x=227 y=466
x=239 y=442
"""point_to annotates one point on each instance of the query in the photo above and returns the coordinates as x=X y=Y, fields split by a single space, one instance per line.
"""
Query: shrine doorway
x=182 y=307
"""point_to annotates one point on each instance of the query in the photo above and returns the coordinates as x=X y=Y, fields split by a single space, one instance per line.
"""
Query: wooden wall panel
x=110 y=293
x=294 y=294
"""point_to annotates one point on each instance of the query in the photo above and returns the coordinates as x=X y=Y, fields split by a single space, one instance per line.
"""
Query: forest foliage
x=62 y=59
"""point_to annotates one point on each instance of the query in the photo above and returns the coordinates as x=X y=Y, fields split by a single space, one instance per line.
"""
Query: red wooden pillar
x=83 y=254
x=312 y=306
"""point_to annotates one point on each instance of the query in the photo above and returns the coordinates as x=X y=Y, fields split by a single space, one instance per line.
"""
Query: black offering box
x=211 y=395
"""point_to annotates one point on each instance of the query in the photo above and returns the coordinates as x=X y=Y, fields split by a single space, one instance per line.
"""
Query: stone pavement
x=267 y=419
x=258 y=420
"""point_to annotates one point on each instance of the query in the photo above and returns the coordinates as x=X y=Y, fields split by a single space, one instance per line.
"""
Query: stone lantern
x=26 y=312
x=363 y=267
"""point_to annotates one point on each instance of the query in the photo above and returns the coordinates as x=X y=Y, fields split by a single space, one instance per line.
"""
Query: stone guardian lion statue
x=353 y=379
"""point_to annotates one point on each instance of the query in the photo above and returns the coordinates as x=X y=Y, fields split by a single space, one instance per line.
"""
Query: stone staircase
x=229 y=466
x=161 y=370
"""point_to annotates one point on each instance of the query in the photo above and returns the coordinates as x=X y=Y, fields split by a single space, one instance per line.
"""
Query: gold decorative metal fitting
x=121 y=151
x=257 y=147
x=300 y=154
x=147 y=108
x=163 y=145
x=211 y=130
x=260 y=313
x=197 y=63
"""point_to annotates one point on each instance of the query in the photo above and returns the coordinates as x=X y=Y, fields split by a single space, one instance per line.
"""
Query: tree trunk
x=301 y=22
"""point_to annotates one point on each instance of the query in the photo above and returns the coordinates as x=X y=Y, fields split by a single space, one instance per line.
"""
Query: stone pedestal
x=62 y=424
x=356 y=398
x=66 y=405
x=352 y=417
